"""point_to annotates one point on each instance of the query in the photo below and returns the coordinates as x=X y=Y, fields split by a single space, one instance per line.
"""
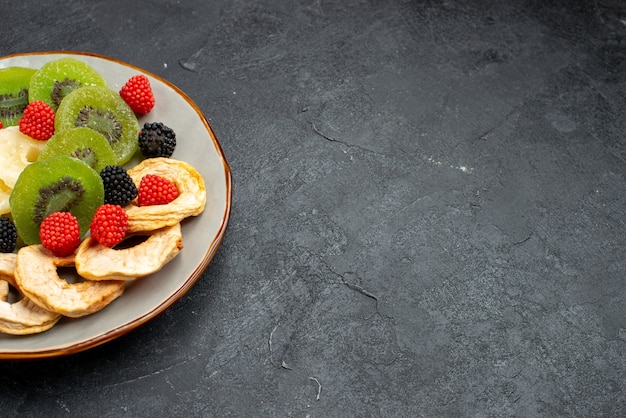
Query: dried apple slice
x=37 y=278
x=95 y=261
x=22 y=317
x=190 y=201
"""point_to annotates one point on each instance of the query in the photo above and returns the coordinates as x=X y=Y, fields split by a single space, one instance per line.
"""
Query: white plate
x=202 y=235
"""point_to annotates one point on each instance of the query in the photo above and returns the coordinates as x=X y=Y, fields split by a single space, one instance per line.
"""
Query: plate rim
x=109 y=335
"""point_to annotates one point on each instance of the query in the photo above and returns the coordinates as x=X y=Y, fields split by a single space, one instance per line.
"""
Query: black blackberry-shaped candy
x=157 y=140
x=119 y=188
x=8 y=235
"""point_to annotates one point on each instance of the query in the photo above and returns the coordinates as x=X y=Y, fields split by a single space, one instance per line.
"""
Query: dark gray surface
x=428 y=213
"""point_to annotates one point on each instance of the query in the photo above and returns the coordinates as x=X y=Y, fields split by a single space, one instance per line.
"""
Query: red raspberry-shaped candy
x=137 y=93
x=109 y=224
x=59 y=232
x=156 y=190
x=37 y=121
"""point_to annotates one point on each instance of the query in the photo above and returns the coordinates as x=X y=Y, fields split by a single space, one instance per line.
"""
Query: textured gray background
x=428 y=213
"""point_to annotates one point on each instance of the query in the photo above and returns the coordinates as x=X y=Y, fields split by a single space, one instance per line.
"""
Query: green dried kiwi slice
x=103 y=110
x=14 y=85
x=57 y=184
x=58 y=78
x=83 y=143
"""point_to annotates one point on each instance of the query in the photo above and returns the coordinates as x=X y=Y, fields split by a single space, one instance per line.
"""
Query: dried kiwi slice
x=82 y=143
x=103 y=110
x=14 y=84
x=56 y=79
x=56 y=184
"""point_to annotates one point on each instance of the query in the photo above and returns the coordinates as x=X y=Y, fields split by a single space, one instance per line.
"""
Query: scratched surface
x=428 y=219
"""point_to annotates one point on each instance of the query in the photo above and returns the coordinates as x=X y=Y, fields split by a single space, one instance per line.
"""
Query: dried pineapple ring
x=17 y=150
x=190 y=201
x=22 y=317
x=36 y=277
x=94 y=261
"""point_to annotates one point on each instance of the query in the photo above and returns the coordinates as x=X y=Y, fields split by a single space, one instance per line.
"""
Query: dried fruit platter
x=146 y=298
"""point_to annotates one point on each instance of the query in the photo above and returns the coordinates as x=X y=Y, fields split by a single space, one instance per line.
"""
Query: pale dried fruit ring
x=37 y=278
x=4 y=290
x=94 y=261
x=22 y=317
x=190 y=201
x=7 y=267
